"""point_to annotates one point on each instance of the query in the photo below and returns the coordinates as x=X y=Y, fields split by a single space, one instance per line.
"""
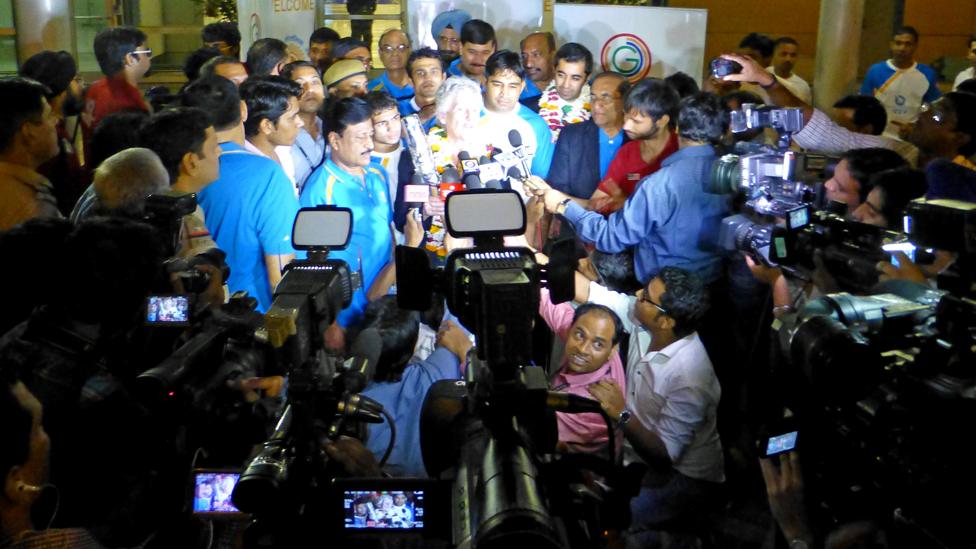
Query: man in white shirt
x=970 y=71
x=387 y=145
x=307 y=152
x=784 y=60
x=504 y=82
x=668 y=416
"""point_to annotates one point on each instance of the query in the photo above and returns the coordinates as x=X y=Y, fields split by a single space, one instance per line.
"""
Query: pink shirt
x=581 y=432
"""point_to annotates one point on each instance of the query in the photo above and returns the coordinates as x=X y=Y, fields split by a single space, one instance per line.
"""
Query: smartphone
x=723 y=67
x=212 y=490
x=779 y=444
x=168 y=310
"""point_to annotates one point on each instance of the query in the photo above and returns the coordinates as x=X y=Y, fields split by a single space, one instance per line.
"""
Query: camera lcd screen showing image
x=383 y=510
x=212 y=493
x=171 y=310
x=780 y=444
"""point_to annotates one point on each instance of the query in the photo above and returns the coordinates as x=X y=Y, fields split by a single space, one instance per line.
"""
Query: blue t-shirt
x=383 y=82
x=454 y=69
x=530 y=91
x=371 y=242
x=403 y=400
x=409 y=106
x=250 y=211
x=608 y=150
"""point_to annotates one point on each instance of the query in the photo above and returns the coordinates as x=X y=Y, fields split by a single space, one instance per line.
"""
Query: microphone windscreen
x=450 y=175
x=464 y=155
x=514 y=173
x=368 y=346
x=515 y=138
x=484 y=160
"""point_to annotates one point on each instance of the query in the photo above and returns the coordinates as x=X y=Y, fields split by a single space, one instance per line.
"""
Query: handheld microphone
x=24 y=487
x=450 y=182
x=515 y=139
x=571 y=404
x=360 y=408
x=361 y=367
x=470 y=171
x=491 y=172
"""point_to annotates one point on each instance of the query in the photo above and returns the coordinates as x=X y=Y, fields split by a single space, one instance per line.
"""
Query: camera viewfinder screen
x=799 y=218
x=168 y=309
x=212 y=492
x=392 y=510
x=781 y=443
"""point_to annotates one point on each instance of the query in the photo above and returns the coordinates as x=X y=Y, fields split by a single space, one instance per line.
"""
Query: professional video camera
x=880 y=385
x=487 y=435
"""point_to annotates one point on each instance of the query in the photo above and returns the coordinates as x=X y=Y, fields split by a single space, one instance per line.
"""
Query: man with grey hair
x=395 y=48
x=124 y=180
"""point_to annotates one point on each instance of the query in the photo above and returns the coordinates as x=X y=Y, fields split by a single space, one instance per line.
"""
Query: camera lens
x=725 y=175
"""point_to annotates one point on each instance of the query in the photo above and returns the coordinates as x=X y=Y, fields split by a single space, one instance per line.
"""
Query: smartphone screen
x=212 y=493
x=386 y=510
x=168 y=310
x=781 y=443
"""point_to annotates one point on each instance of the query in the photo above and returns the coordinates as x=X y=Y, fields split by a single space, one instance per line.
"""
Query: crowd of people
x=618 y=166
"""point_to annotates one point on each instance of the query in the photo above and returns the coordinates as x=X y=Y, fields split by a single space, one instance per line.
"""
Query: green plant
x=225 y=10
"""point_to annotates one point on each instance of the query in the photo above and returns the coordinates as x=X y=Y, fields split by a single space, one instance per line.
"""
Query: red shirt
x=627 y=168
x=108 y=95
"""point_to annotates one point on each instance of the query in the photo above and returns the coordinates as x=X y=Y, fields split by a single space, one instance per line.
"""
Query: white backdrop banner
x=290 y=20
x=637 y=41
x=512 y=19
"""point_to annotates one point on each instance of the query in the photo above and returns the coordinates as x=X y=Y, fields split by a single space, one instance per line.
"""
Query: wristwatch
x=563 y=204
x=623 y=418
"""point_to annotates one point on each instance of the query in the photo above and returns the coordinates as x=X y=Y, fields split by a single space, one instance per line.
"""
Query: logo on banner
x=627 y=54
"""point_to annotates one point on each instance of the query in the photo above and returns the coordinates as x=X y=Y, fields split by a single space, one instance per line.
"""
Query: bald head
x=124 y=180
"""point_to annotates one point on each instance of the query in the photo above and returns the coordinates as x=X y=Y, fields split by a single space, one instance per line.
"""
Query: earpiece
x=24 y=487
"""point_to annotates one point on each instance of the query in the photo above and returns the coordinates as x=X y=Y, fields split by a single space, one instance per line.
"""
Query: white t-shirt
x=962 y=77
x=391 y=163
x=494 y=128
x=797 y=86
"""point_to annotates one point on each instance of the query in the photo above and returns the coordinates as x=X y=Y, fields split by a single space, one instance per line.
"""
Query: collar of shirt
x=25 y=175
x=689 y=152
x=342 y=175
x=573 y=379
x=669 y=352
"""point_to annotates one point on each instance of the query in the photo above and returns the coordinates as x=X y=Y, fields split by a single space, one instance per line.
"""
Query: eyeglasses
x=147 y=52
x=398 y=48
x=451 y=41
x=643 y=298
x=604 y=98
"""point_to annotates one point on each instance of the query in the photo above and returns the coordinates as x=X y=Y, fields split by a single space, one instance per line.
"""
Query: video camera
x=880 y=385
x=486 y=435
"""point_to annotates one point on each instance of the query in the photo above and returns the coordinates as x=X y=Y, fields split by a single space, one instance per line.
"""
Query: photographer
x=668 y=416
x=186 y=143
x=670 y=217
x=945 y=128
x=24 y=457
x=849 y=183
x=112 y=464
x=400 y=385
x=889 y=193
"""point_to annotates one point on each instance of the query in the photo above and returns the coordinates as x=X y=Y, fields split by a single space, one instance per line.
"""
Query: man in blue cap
x=446 y=29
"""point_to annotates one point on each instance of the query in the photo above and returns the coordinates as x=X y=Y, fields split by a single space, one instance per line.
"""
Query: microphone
x=450 y=182
x=360 y=408
x=470 y=171
x=571 y=404
x=491 y=172
x=361 y=367
x=515 y=139
x=24 y=487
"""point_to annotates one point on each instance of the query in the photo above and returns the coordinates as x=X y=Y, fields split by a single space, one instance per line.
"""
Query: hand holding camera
x=749 y=70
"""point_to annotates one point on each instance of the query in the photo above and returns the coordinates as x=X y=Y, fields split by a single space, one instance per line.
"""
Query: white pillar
x=43 y=25
x=838 y=42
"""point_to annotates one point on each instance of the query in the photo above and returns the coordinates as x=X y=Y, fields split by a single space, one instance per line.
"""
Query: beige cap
x=342 y=69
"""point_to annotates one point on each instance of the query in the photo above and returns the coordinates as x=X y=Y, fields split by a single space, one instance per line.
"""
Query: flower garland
x=557 y=112
x=444 y=157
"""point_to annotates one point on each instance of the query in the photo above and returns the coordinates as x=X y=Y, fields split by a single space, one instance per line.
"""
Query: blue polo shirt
x=608 y=150
x=403 y=400
x=530 y=91
x=250 y=211
x=454 y=69
x=383 y=82
x=670 y=219
x=371 y=242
